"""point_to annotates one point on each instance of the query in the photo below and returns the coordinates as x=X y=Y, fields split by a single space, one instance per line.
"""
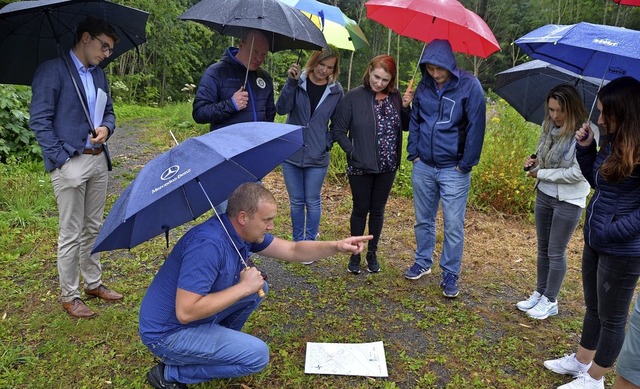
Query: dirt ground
x=496 y=245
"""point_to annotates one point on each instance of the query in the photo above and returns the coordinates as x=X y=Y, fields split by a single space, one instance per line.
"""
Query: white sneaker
x=529 y=303
x=543 y=309
x=567 y=365
x=584 y=381
x=307 y=263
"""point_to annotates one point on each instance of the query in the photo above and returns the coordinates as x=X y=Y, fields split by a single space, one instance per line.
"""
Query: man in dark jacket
x=228 y=94
x=446 y=133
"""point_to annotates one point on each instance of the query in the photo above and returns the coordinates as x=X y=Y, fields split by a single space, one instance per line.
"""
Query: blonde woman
x=310 y=98
x=561 y=196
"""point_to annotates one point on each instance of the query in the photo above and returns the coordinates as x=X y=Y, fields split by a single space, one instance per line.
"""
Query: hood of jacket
x=439 y=53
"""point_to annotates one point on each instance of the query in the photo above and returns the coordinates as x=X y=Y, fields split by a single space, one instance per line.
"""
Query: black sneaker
x=372 y=262
x=155 y=376
x=354 y=264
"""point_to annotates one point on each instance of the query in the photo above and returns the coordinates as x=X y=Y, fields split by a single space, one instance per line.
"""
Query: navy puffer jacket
x=612 y=224
x=213 y=102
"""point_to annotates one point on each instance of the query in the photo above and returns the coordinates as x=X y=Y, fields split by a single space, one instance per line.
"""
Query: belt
x=95 y=151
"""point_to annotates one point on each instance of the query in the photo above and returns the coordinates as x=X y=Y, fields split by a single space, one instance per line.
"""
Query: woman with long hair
x=310 y=98
x=561 y=196
x=611 y=255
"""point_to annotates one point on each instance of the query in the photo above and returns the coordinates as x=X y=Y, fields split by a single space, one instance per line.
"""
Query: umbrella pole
x=261 y=293
x=416 y=69
x=593 y=105
x=246 y=76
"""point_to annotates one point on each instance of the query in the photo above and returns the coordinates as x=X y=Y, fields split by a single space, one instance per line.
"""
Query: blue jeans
x=430 y=185
x=217 y=349
x=304 y=186
x=555 y=223
x=608 y=283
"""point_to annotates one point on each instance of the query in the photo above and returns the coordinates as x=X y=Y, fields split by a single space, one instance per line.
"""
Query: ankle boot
x=372 y=262
x=354 y=264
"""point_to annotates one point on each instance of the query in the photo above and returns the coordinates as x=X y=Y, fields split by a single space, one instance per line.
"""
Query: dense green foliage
x=168 y=67
x=16 y=139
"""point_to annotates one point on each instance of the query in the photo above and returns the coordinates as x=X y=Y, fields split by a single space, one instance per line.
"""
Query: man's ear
x=86 y=37
x=242 y=218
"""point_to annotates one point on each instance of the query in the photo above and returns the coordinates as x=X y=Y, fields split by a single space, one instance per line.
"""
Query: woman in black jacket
x=368 y=127
x=611 y=255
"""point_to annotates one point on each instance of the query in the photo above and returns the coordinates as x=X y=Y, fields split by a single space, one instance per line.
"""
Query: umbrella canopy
x=34 y=31
x=525 y=87
x=284 y=26
x=587 y=49
x=427 y=20
x=183 y=183
x=338 y=29
x=628 y=2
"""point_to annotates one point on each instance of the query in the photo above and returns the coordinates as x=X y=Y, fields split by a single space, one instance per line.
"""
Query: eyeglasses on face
x=105 y=46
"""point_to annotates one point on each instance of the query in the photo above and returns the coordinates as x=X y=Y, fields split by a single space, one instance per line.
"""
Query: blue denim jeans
x=304 y=186
x=555 y=223
x=608 y=283
x=217 y=349
x=430 y=186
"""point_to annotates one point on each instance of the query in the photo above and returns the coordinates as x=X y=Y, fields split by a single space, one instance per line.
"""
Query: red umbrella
x=628 y=2
x=427 y=20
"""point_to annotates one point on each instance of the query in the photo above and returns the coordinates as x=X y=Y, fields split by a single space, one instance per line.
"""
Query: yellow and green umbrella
x=338 y=29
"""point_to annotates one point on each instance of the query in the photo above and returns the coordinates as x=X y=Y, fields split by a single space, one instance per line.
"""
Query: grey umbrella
x=284 y=26
x=34 y=31
x=525 y=87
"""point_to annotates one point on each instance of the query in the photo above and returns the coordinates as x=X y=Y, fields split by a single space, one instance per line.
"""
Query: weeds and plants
x=476 y=341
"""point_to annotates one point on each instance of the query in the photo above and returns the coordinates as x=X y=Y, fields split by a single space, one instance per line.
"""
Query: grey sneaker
x=416 y=271
x=529 y=303
x=354 y=264
x=543 y=309
x=567 y=365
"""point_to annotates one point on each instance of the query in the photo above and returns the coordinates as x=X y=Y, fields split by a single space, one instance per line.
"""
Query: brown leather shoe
x=77 y=308
x=104 y=293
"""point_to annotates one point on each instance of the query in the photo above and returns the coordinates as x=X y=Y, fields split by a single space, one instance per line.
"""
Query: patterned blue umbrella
x=587 y=49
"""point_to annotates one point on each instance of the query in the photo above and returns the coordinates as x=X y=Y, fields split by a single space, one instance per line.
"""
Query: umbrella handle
x=261 y=293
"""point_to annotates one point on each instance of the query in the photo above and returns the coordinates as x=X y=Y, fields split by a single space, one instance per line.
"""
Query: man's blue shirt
x=203 y=261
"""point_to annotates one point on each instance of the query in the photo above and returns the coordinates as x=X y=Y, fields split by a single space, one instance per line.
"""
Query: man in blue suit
x=63 y=112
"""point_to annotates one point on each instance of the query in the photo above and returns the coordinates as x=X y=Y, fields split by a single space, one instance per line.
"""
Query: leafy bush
x=16 y=138
x=498 y=182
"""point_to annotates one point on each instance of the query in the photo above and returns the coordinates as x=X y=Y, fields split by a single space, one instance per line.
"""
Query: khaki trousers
x=80 y=187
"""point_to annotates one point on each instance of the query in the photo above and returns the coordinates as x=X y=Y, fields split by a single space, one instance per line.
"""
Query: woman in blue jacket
x=611 y=256
x=368 y=127
x=310 y=99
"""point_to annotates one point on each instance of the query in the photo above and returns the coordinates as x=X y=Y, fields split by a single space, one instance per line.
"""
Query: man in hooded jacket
x=446 y=133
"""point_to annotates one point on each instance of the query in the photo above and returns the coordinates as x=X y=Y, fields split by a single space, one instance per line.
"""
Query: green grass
x=476 y=341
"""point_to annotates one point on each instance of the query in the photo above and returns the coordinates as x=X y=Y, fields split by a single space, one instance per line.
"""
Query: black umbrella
x=34 y=31
x=525 y=87
x=284 y=26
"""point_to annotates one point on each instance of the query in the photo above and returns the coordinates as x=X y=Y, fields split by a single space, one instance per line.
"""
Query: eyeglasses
x=105 y=46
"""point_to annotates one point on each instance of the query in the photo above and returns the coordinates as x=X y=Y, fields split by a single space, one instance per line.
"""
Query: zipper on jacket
x=592 y=204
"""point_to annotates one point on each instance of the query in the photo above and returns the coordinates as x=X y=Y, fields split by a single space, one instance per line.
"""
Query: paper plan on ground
x=358 y=359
